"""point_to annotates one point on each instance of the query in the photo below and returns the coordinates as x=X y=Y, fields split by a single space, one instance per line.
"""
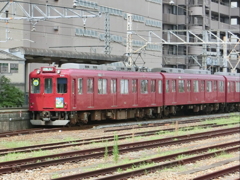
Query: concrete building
x=151 y=21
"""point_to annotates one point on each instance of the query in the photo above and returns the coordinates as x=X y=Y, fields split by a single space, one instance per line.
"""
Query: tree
x=10 y=96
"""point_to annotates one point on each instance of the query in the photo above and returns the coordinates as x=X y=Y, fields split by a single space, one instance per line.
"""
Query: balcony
x=235 y=12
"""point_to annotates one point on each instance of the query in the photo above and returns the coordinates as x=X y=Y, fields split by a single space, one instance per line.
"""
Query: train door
x=135 y=91
x=114 y=92
x=153 y=92
x=48 y=96
x=73 y=93
x=189 y=91
x=90 y=92
x=174 y=94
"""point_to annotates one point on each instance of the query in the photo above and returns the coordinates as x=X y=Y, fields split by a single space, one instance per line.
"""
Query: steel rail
x=140 y=172
x=91 y=140
x=219 y=173
x=31 y=163
x=146 y=161
x=31 y=131
x=164 y=123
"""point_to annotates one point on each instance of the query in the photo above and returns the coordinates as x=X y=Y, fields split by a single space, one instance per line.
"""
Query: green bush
x=10 y=96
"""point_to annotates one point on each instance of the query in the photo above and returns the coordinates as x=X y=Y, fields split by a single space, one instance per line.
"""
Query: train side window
x=221 y=86
x=160 y=86
x=209 y=86
x=188 y=85
x=80 y=85
x=237 y=86
x=144 y=86
x=167 y=86
x=195 y=86
x=102 y=86
x=35 y=85
x=90 y=85
x=202 y=86
x=173 y=85
x=228 y=86
x=214 y=85
x=124 y=86
x=113 y=86
x=61 y=85
x=134 y=85
x=181 y=85
x=48 y=85
x=232 y=86
x=153 y=86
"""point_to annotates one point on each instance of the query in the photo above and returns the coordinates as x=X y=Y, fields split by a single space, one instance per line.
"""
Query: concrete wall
x=12 y=120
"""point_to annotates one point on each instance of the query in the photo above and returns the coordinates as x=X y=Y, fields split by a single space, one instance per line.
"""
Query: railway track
x=111 y=170
x=219 y=173
x=58 y=145
x=29 y=131
x=31 y=163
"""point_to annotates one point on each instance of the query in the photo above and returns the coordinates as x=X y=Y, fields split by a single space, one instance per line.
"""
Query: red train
x=72 y=96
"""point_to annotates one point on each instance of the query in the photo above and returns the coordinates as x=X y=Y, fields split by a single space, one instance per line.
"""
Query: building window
x=113 y=86
x=90 y=85
x=102 y=86
x=195 y=86
x=181 y=85
x=3 y=68
x=124 y=86
x=153 y=86
x=80 y=85
x=144 y=86
x=13 y=68
x=134 y=85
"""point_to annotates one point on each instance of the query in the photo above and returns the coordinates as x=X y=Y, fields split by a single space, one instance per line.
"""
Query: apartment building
x=141 y=35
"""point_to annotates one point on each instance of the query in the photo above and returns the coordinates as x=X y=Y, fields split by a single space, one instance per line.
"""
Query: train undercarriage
x=56 y=118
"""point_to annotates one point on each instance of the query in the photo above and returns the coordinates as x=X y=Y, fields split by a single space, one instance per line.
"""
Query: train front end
x=49 y=97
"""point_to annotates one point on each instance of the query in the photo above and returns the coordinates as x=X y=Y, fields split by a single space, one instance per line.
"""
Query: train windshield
x=35 y=85
x=61 y=85
x=48 y=85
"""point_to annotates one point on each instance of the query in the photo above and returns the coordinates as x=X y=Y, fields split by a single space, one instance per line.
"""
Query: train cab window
x=221 y=86
x=167 y=86
x=181 y=85
x=144 y=86
x=61 y=85
x=209 y=86
x=134 y=85
x=35 y=85
x=188 y=86
x=90 y=85
x=160 y=86
x=48 y=85
x=124 y=86
x=195 y=86
x=102 y=86
x=80 y=85
x=113 y=86
x=153 y=86
x=173 y=85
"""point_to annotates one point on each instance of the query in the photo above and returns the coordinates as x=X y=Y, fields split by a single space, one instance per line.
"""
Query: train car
x=232 y=84
x=193 y=93
x=72 y=96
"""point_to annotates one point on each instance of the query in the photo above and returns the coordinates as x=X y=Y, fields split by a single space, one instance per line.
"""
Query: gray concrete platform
x=14 y=119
